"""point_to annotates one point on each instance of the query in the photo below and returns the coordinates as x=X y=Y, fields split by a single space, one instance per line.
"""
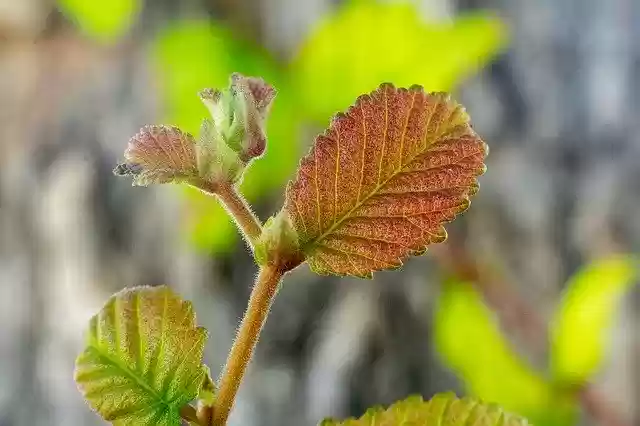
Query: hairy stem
x=262 y=295
x=237 y=207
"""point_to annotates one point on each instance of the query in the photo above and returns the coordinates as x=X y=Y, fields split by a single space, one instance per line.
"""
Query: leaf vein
x=355 y=254
x=404 y=131
x=364 y=147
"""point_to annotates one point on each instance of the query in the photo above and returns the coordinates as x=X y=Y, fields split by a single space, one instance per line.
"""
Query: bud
x=229 y=140
x=216 y=160
x=279 y=244
x=239 y=114
x=253 y=98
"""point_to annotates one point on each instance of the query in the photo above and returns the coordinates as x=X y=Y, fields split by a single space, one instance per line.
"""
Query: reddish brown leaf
x=378 y=185
x=159 y=154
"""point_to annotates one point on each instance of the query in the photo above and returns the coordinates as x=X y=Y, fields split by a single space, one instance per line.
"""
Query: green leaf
x=585 y=316
x=104 y=20
x=470 y=342
x=143 y=359
x=441 y=410
x=366 y=42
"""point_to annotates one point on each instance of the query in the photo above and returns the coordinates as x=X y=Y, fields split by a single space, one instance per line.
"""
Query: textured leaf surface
x=159 y=154
x=441 y=410
x=585 y=315
x=143 y=359
x=380 y=182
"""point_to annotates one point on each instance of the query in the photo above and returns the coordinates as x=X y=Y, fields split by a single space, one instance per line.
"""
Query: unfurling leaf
x=381 y=181
x=278 y=243
x=207 y=392
x=586 y=312
x=228 y=141
x=159 y=154
x=143 y=359
x=239 y=115
x=441 y=410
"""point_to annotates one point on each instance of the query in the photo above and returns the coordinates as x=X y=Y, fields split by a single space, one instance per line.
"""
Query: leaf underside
x=159 y=154
x=378 y=185
x=441 y=410
x=143 y=359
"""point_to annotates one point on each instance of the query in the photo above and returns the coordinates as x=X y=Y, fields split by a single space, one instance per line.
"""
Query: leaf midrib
x=114 y=362
x=375 y=191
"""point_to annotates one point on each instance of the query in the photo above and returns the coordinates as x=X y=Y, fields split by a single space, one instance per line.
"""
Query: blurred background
x=531 y=303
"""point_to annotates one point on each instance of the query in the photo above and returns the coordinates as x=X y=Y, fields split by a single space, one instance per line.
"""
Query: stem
x=237 y=207
x=262 y=295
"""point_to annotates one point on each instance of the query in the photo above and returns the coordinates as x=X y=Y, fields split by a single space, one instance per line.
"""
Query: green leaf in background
x=470 y=342
x=192 y=55
x=143 y=359
x=585 y=315
x=441 y=410
x=105 y=20
x=368 y=42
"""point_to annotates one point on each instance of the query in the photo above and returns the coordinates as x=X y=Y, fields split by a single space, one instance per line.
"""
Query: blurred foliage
x=468 y=338
x=585 y=315
x=366 y=43
x=105 y=20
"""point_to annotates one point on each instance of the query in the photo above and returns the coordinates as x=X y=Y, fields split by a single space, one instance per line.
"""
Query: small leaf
x=159 y=154
x=586 y=313
x=441 y=410
x=207 y=392
x=216 y=160
x=253 y=97
x=143 y=359
x=278 y=243
x=380 y=182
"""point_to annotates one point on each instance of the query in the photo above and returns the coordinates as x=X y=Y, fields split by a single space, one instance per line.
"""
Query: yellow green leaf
x=470 y=342
x=585 y=316
x=378 y=185
x=104 y=20
x=366 y=42
x=441 y=410
x=143 y=358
